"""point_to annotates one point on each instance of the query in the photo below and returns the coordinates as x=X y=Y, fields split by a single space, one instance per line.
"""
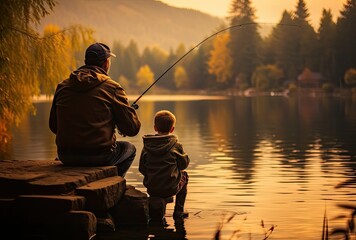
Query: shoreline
x=221 y=95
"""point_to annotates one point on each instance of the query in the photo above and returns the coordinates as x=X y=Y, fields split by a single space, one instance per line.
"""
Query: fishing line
x=134 y=104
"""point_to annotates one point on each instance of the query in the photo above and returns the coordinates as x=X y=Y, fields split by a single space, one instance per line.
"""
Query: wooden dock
x=47 y=200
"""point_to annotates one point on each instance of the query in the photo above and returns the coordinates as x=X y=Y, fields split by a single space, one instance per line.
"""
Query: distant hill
x=147 y=22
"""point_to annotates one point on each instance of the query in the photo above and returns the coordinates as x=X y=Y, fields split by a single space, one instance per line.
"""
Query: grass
x=348 y=232
x=226 y=218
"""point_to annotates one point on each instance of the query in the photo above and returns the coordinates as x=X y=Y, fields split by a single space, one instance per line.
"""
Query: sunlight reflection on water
x=271 y=159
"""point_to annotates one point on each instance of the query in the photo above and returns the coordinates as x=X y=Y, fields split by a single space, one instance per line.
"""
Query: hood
x=159 y=144
x=86 y=78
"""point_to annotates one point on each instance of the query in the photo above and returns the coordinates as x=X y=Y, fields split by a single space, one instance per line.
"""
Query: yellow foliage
x=180 y=77
x=220 y=61
x=145 y=77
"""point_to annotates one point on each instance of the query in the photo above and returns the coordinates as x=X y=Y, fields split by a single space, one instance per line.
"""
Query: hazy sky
x=266 y=10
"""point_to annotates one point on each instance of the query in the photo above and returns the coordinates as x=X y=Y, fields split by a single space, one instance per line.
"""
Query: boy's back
x=162 y=160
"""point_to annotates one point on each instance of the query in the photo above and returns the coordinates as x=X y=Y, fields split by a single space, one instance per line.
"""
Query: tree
x=167 y=81
x=284 y=46
x=346 y=39
x=17 y=38
x=220 y=61
x=306 y=41
x=350 y=77
x=132 y=60
x=145 y=77
x=245 y=41
x=30 y=62
x=117 y=63
x=180 y=78
x=326 y=33
x=267 y=77
x=55 y=54
x=18 y=80
x=197 y=67
x=156 y=58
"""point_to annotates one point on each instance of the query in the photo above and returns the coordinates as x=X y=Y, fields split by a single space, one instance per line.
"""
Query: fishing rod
x=134 y=104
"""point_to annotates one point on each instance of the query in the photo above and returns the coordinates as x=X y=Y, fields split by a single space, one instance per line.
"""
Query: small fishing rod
x=134 y=104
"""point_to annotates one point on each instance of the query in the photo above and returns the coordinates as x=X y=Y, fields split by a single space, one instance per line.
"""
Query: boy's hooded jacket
x=85 y=111
x=161 y=162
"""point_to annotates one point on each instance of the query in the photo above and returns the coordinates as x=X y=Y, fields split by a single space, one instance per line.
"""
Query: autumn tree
x=267 y=77
x=30 y=62
x=180 y=78
x=145 y=77
x=220 y=61
x=55 y=54
x=155 y=58
x=350 y=77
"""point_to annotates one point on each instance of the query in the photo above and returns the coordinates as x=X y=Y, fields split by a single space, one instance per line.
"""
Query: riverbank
x=164 y=95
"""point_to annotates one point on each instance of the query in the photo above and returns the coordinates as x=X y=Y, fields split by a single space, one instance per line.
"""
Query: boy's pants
x=181 y=193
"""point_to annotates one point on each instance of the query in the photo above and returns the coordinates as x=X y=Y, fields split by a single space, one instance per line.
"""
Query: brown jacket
x=162 y=159
x=86 y=109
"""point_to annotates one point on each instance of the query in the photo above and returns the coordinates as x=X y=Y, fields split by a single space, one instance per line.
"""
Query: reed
x=348 y=232
x=227 y=218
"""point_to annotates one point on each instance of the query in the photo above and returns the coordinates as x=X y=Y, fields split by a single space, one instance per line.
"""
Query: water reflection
x=274 y=159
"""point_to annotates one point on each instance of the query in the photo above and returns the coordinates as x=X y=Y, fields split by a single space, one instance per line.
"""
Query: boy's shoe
x=177 y=215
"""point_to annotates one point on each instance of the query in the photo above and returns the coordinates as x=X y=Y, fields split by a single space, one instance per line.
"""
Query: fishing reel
x=134 y=106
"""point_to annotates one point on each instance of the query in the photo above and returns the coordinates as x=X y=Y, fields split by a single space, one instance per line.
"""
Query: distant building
x=309 y=79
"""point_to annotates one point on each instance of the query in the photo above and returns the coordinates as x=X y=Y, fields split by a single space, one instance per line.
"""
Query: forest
x=32 y=63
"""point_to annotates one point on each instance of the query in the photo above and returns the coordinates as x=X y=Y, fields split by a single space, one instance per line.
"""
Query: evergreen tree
x=132 y=61
x=283 y=45
x=326 y=35
x=156 y=58
x=245 y=41
x=117 y=63
x=197 y=67
x=167 y=81
x=306 y=42
x=346 y=39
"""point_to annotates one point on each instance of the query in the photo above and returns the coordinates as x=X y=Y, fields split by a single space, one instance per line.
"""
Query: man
x=86 y=109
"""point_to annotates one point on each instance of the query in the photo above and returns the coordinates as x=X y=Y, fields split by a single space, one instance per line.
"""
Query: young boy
x=162 y=163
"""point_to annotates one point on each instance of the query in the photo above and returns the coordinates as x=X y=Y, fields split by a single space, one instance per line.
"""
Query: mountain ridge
x=147 y=22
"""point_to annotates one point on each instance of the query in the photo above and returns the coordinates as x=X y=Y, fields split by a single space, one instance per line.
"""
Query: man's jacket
x=86 y=109
x=162 y=159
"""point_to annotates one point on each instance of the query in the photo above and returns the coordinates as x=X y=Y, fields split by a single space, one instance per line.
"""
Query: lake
x=256 y=163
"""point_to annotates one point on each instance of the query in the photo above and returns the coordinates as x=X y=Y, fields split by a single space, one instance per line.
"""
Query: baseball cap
x=98 y=52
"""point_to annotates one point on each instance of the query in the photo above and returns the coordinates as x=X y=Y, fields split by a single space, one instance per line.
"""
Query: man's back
x=85 y=110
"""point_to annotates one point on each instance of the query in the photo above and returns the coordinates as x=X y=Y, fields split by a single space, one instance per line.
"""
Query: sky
x=267 y=11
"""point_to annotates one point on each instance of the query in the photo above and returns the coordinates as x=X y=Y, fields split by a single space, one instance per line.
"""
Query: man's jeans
x=123 y=155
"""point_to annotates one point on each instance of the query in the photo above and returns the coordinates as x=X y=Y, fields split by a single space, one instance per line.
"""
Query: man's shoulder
x=112 y=83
